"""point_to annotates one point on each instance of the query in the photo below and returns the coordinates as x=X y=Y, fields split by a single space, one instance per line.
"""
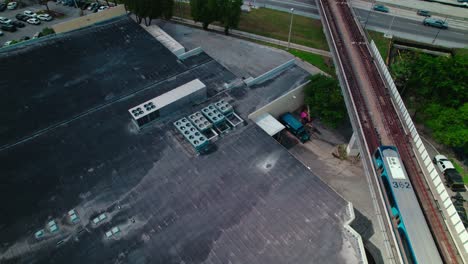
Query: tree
x=432 y=79
x=205 y=11
x=45 y=3
x=323 y=96
x=148 y=10
x=449 y=126
x=230 y=11
x=436 y=87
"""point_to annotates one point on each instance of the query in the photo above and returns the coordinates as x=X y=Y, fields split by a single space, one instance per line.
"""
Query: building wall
x=89 y=20
x=289 y=102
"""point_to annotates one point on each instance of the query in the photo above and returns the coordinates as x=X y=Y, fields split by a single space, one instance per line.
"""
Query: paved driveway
x=30 y=30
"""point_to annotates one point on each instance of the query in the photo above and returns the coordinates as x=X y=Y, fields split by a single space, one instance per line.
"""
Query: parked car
x=95 y=8
x=452 y=178
x=33 y=21
x=8 y=43
x=92 y=6
x=18 y=24
x=30 y=14
x=8 y=27
x=424 y=13
x=4 y=21
x=24 y=38
x=3 y=6
x=102 y=8
x=433 y=22
x=1 y=33
x=443 y=163
x=381 y=8
x=12 y=5
x=45 y=17
x=22 y=17
x=85 y=6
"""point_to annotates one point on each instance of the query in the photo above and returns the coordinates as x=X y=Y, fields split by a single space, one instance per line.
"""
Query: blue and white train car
x=415 y=235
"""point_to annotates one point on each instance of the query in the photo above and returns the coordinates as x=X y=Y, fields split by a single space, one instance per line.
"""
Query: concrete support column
x=353 y=146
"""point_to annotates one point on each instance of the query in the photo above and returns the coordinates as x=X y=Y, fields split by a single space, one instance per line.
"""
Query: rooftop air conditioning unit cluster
x=224 y=107
x=144 y=113
x=200 y=121
x=191 y=133
x=213 y=115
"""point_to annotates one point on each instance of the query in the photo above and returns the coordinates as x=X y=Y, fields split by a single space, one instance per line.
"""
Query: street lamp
x=290 y=28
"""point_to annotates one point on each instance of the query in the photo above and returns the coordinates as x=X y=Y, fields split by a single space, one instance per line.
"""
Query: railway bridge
x=377 y=120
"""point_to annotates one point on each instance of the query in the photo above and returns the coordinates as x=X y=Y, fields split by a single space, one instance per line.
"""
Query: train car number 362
x=402 y=185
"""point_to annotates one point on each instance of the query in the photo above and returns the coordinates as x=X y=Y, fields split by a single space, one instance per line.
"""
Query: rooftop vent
x=191 y=133
x=213 y=115
x=224 y=107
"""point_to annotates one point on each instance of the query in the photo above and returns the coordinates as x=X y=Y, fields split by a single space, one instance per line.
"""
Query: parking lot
x=29 y=30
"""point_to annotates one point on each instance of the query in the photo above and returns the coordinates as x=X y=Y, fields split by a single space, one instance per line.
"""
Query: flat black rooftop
x=68 y=143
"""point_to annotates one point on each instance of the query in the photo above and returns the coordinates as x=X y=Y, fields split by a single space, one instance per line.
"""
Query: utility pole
x=290 y=28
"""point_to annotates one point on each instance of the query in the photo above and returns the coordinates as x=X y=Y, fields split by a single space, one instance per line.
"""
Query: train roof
x=418 y=232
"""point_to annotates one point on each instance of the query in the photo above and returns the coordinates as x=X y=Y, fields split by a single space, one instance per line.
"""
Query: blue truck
x=295 y=127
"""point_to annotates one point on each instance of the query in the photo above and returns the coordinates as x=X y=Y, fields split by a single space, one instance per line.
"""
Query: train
x=411 y=226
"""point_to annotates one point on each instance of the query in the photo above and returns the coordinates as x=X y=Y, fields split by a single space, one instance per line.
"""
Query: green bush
x=47 y=31
x=324 y=98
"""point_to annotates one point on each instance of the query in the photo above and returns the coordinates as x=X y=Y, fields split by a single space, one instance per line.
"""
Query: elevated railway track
x=379 y=124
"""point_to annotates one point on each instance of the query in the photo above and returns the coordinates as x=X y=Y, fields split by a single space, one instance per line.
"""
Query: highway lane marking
x=457 y=33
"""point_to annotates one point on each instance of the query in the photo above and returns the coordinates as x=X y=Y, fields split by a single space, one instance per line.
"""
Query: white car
x=1 y=33
x=102 y=8
x=12 y=5
x=30 y=14
x=4 y=20
x=8 y=43
x=33 y=21
x=443 y=163
x=45 y=17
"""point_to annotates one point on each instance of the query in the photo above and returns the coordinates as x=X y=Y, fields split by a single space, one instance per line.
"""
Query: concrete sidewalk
x=246 y=35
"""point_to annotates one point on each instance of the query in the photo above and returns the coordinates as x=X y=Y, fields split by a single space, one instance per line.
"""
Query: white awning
x=269 y=124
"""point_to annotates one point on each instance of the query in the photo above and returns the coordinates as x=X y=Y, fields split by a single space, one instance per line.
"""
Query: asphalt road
x=402 y=27
x=409 y=28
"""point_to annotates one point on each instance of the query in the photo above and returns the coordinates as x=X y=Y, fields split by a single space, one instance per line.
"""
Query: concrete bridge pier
x=353 y=146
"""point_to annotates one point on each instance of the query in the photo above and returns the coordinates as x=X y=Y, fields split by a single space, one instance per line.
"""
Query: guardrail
x=456 y=228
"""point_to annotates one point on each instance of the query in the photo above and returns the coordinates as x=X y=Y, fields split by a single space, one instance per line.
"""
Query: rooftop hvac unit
x=213 y=114
x=224 y=107
x=191 y=133
x=200 y=121
x=168 y=102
